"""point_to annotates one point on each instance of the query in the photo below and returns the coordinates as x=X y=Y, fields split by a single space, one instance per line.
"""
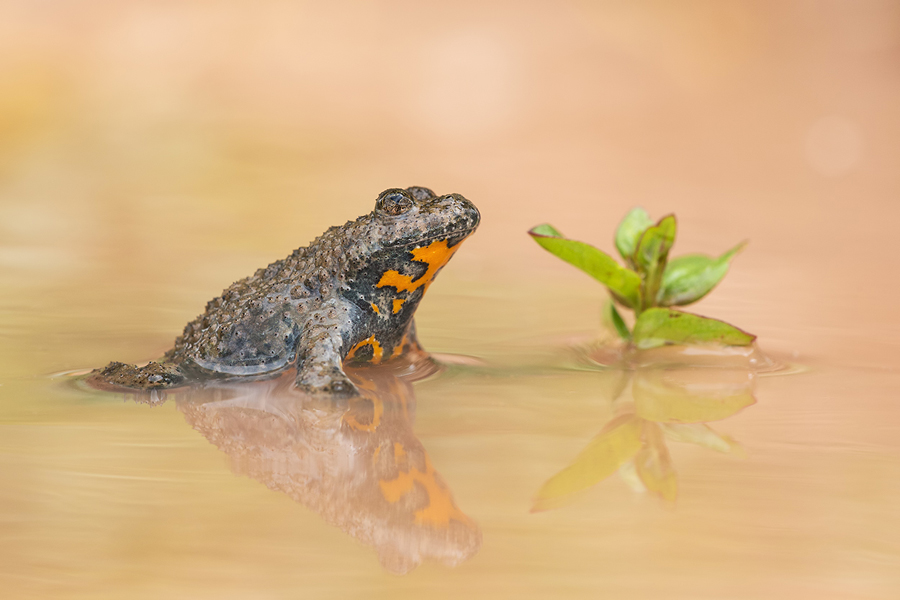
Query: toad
x=349 y=295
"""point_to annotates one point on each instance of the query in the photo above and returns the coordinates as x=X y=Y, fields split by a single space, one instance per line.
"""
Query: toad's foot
x=327 y=380
x=151 y=376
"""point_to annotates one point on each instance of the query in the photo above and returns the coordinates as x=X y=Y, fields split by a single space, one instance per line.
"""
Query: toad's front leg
x=319 y=357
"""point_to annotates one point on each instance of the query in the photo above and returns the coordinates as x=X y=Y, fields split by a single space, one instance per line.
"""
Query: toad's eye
x=394 y=202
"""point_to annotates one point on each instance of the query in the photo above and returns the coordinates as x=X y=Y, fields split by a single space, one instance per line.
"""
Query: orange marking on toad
x=435 y=255
x=398 y=349
x=397 y=305
x=375 y=308
x=369 y=341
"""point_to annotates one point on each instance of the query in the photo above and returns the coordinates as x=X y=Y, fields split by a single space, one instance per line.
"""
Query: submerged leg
x=412 y=340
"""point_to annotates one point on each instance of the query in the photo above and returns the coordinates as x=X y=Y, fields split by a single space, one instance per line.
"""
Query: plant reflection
x=356 y=462
x=667 y=403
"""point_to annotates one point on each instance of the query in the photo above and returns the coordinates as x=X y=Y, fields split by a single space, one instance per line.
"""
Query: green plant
x=649 y=283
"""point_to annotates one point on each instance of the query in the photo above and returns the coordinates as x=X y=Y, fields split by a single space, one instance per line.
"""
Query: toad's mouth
x=453 y=238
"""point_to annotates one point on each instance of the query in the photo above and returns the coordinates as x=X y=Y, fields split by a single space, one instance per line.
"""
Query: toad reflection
x=668 y=402
x=355 y=462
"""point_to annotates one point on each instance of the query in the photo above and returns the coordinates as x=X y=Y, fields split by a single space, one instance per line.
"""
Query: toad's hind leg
x=319 y=363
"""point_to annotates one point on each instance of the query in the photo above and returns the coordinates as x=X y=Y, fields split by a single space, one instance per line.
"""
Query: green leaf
x=655 y=243
x=662 y=400
x=689 y=278
x=619 y=441
x=651 y=255
x=630 y=231
x=619 y=323
x=546 y=229
x=660 y=326
x=624 y=283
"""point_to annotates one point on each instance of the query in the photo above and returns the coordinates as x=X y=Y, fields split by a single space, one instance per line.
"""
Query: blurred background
x=153 y=152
